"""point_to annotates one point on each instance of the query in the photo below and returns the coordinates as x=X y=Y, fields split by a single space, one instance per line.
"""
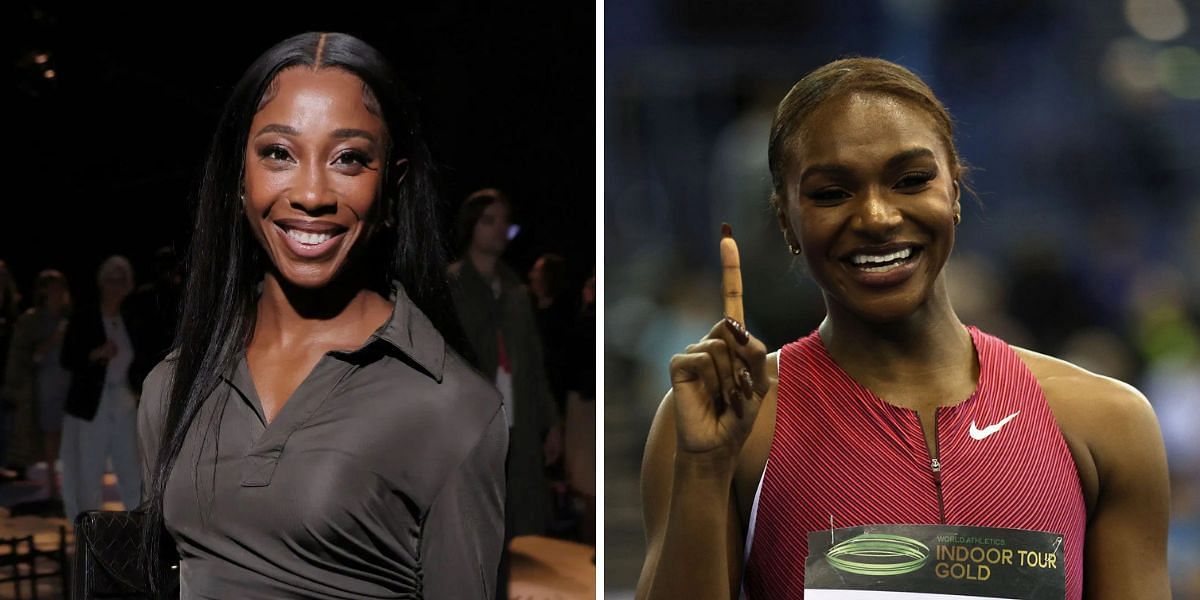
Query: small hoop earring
x=795 y=250
x=957 y=218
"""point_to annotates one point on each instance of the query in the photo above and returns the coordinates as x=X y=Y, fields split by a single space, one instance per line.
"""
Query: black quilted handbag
x=107 y=564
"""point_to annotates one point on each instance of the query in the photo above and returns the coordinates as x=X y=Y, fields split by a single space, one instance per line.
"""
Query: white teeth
x=862 y=259
x=307 y=238
x=879 y=269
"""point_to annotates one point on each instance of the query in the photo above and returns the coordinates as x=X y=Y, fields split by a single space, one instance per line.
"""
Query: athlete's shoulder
x=801 y=351
x=1065 y=383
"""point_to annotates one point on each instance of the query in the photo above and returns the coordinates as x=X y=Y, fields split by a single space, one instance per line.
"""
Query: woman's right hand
x=719 y=383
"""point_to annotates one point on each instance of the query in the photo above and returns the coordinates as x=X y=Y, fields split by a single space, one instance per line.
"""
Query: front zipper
x=935 y=466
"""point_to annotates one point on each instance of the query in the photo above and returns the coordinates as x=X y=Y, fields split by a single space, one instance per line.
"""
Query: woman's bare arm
x=690 y=520
x=1118 y=449
x=717 y=387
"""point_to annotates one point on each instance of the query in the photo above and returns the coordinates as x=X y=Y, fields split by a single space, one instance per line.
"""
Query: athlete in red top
x=1001 y=462
x=892 y=411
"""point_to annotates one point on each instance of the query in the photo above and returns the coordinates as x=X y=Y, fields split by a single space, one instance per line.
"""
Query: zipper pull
x=935 y=465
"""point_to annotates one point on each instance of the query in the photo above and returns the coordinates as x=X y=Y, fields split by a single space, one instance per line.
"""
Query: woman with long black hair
x=315 y=432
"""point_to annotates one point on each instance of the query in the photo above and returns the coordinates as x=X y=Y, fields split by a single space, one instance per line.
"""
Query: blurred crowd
x=71 y=373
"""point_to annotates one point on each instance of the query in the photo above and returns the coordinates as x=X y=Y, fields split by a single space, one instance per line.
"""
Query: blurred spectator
x=9 y=299
x=555 y=318
x=1045 y=295
x=1102 y=351
x=497 y=317
x=1167 y=337
x=978 y=293
x=580 y=420
x=783 y=304
x=101 y=420
x=1162 y=326
x=152 y=310
x=35 y=381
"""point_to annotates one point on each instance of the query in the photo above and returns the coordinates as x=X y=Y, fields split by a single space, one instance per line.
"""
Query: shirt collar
x=408 y=331
x=413 y=334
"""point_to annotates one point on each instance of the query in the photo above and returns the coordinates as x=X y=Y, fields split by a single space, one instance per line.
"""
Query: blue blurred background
x=1081 y=121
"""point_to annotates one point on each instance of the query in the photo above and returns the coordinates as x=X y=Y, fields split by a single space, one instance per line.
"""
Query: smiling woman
x=864 y=422
x=875 y=148
x=316 y=432
x=315 y=146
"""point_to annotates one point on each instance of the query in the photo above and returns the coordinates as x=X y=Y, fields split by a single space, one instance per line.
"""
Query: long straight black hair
x=225 y=262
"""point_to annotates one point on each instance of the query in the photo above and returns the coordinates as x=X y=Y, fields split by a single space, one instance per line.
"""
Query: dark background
x=104 y=157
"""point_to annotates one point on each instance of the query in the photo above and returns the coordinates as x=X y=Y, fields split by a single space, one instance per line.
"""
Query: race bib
x=934 y=562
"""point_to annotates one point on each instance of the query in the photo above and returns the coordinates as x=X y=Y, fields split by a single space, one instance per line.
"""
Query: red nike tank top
x=841 y=452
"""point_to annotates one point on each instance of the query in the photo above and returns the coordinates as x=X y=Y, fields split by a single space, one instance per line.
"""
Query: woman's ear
x=789 y=236
x=957 y=204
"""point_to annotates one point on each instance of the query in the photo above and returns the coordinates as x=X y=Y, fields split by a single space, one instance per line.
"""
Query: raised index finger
x=731 y=275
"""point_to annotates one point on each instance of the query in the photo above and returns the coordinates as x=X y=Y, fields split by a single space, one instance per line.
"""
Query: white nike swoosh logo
x=979 y=434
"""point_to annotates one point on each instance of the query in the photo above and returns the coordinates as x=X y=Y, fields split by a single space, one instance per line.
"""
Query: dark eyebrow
x=907 y=155
x=276 y=128
x=342 y=134
x=835 y=169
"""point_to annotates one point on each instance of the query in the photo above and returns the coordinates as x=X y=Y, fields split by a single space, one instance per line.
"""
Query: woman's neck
x=927 y=354
x=335 y=315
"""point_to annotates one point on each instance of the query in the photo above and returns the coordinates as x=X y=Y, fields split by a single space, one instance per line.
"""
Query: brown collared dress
x=381 y=477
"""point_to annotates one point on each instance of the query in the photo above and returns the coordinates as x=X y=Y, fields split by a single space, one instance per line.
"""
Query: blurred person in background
x=867 y=182
x=101 y=406
x=1166 y=333
x=35 y=378
x=155 y=307
x=579 y=422
x=556 y=311
x=977 y=293
x=9 y=300
x=555 y=317
x=497 y=315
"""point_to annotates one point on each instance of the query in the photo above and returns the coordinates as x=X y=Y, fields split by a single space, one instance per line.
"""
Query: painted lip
x=890 y=278
x=311 y=251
